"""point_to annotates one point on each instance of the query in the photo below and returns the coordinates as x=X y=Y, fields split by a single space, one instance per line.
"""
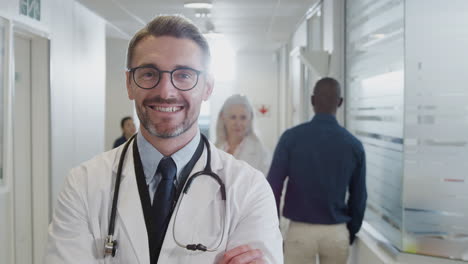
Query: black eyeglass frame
x=132 y=71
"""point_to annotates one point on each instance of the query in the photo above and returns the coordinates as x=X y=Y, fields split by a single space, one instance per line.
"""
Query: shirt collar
x=320 y=117
x=150 y=156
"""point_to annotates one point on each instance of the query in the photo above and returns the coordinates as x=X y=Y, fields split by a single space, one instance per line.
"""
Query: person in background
x=235 y=133
x=323 y=162
x=128 y=129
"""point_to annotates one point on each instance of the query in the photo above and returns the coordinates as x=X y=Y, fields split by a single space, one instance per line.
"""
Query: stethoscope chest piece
x=110 y=247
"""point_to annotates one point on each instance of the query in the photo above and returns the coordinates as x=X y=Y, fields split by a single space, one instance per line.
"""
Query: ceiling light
x=378 y=36
x=199 y=4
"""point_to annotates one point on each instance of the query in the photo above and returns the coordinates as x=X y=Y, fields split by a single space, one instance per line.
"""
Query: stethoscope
x=110 y=246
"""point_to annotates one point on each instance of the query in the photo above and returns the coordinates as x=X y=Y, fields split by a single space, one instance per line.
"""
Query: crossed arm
x=244 y=254
x=255 y=238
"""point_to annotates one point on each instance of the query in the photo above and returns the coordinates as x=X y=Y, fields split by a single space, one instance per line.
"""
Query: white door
x=22 y=190
x=6 y=208
x=24 y=156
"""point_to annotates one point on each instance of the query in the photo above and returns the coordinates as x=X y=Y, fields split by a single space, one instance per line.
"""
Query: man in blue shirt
x=323 y=162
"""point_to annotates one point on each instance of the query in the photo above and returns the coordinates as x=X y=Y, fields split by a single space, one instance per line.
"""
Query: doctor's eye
x=145 y=74
x=183 y=75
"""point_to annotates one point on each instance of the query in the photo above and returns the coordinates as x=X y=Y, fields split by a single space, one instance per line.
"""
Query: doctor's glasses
x=148 y=77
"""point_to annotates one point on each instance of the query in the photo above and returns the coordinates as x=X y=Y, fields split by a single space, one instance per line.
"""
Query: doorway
x=30 y=137
x=22 y=151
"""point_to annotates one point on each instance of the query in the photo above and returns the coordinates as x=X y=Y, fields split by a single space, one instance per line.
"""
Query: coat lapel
x=130 y=211
x=203 y=193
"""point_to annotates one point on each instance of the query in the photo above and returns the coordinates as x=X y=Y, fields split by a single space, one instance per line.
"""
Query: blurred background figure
x=128 y=129
x=235 y=133
x=326 y=192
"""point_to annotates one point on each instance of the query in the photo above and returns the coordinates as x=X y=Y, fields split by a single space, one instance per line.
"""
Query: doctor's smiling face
x=165 y=111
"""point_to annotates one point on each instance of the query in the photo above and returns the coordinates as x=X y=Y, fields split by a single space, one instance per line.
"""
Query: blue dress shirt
x=150 y=158
x=323 y=162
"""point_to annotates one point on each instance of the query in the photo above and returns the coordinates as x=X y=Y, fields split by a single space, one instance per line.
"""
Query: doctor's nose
x=165 y=87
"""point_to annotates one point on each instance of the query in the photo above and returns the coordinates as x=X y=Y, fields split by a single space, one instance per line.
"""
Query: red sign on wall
x=263 y=110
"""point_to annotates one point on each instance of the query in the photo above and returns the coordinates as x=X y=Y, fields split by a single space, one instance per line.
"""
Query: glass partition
x=374 y=104
x=436 y=129
x=407 y=101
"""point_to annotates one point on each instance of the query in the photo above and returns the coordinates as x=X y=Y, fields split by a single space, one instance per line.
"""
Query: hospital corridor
x=234 y=131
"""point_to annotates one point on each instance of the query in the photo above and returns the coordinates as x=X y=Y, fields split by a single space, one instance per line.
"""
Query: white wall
x=77 y=49
x=6 y=197
x=295 y=85
x=283 y=72
x=117 y=103
x=257 y=78
x=221 y=91
x=77 y=80
x=299 y=38
x=333 y=42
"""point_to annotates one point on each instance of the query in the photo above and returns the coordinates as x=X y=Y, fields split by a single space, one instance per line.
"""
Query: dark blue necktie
x=164 y=198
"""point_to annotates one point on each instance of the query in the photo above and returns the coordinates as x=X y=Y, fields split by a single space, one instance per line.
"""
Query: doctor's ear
x=209 y=85
x=128 y=83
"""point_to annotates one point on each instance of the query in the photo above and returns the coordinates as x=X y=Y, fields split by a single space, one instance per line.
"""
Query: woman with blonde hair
x=235 y=133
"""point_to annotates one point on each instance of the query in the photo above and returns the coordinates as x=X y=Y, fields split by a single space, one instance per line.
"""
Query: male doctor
x=168 y=77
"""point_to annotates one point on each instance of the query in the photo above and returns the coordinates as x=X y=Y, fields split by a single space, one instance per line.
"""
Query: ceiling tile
x=248 y=24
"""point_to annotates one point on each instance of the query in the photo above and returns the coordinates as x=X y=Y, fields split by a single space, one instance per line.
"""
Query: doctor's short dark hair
x=170 y=25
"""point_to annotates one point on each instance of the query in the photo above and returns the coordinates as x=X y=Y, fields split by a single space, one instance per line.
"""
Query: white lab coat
x=252 y=151
x=81 y=218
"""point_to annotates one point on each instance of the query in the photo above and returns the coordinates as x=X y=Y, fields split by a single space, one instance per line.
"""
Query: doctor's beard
x=168 y=133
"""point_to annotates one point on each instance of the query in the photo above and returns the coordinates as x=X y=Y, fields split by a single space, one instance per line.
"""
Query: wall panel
x=77 y=80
